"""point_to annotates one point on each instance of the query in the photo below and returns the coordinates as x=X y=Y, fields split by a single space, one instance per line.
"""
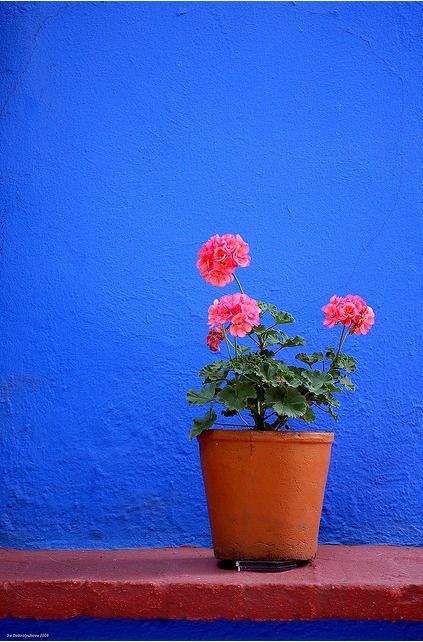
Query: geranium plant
x=255 y=387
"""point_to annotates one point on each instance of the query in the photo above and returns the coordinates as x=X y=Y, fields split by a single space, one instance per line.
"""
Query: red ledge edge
x=343 y=582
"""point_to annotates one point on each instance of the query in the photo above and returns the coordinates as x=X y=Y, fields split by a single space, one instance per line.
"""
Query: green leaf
x=243 y=349
x=256 y=367
x=265 y=334
x=347 y=383
x=282 y=336
x=235 y=395
x=345 y=362
x=291 y=342
x=333 y=413
x=309 y=416
x=259 y=329
x=286 y=402
x=330 y=387
x=267 y=371
x=315 y=380
x=272 y=337
x=215 y=371
x=310 y=359
x=279 y=316
x=267 y=307
x=203 y=396
x=202 y=424
x=244 y=366
x=335 y=373
x=292 y=377
x=282 y=317
x=330 y=352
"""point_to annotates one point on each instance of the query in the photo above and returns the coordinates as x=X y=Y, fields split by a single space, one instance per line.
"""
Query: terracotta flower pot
x=264 y=492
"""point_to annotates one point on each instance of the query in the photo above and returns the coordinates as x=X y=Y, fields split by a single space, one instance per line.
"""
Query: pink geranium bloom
x=214 y=339
x=220 y=311
x=365 y=321
x=331 y=312
x=220 y=256
x=350 y=310
x=240 y=325
x=238 y=248
x=219 y=277
x=239 y=310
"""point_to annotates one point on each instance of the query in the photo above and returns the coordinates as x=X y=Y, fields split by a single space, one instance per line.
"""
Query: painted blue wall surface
x=111 y=629
x=132 y=132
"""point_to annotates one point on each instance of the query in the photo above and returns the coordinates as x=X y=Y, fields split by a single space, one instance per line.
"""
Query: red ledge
x=344 y=582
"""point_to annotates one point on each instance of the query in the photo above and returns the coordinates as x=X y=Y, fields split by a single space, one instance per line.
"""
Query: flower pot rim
x=267 y=435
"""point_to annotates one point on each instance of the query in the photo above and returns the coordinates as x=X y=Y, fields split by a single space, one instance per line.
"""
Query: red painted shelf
x=343 y=582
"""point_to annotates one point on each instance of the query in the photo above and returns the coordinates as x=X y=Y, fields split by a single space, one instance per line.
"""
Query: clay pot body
x=264 y=492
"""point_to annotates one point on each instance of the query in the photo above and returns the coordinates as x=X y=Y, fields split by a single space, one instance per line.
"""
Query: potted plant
x=264 y=476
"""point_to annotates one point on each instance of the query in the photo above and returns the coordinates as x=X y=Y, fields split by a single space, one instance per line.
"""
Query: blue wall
x=130 y=134
x=110 y=629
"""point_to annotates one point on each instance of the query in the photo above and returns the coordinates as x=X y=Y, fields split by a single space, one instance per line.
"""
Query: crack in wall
x=389 y=69
x=35 y=39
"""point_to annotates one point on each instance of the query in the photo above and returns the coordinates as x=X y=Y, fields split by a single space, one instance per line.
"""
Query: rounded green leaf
x=202 y=424
x=203 y=396
x=287 y=402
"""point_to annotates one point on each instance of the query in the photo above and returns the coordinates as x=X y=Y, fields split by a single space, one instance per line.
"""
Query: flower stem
x=227 y=345
x=230 y=342
x=242 y=419
x=239 y=284
x=342 y=338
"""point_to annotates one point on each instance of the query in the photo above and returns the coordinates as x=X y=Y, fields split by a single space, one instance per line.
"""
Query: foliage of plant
x=257 y=386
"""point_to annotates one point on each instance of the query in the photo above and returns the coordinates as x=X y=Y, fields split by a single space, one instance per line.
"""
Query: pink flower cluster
x=220 y=256
x=239 y=310
x=351 y=311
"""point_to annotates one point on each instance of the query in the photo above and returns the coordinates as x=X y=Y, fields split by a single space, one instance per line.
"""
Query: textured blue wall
x=130 y=134
x=110 y=629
